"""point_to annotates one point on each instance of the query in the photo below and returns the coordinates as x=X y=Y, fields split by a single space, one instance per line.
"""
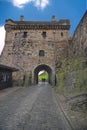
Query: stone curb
x=64 y=112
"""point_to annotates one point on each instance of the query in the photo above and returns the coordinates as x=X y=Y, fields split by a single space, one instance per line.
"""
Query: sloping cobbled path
x=33 y=108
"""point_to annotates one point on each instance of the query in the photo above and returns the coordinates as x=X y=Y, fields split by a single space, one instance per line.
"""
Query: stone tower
x=32 y=46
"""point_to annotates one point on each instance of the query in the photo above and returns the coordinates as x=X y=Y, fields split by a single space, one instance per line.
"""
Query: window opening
x=41 y=53
x=61 y=34
x=44 y=34
x=25 y=34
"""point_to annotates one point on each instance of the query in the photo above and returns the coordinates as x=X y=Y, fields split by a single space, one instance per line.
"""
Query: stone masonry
x=31 y=45
x=79 y=38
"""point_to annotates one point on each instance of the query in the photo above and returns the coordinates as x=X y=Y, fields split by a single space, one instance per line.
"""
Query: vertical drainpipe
x=54 y=32
x=54 y=59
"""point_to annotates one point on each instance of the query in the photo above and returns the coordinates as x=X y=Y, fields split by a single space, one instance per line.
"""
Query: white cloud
x=38 y=3
x=41 y=3
x=2 y=38
x=20 y=3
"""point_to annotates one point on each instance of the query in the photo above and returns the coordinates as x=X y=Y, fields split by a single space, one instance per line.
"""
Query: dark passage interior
x=40 y=68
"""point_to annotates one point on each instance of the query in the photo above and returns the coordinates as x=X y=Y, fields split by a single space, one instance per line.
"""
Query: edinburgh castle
x=32 y=46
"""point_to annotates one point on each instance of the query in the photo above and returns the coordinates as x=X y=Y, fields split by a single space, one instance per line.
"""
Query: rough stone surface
x=34 y=108
x=79 y=38
x=25 y=39
x=75 y=109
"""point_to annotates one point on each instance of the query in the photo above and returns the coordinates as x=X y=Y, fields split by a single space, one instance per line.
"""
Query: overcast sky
x=41 y=10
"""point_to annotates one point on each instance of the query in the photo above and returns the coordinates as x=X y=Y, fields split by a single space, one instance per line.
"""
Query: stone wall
x=79 y=38
x=72 y=71
x=25 y=40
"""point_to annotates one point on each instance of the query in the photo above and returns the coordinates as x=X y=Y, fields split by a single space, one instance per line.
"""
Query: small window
x=25 y=34
x=61 y=34
x=44 y=34
x=41 y=53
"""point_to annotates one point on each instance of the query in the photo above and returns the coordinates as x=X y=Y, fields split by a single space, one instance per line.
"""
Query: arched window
x=41 y=53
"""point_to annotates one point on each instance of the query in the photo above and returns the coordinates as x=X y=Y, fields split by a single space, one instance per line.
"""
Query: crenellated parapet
x=37 y=25
x=32 y=46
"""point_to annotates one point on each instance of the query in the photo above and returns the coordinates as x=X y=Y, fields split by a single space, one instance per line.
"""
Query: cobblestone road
x=33 y=108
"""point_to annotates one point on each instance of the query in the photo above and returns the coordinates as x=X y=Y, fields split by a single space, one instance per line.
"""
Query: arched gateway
x=31 y=46
x=40 y=68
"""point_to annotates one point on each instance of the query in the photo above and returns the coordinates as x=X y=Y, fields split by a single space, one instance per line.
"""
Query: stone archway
x=40 y=68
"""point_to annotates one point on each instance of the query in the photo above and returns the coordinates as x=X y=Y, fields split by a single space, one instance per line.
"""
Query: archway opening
x=43 y=76
x=47 y=74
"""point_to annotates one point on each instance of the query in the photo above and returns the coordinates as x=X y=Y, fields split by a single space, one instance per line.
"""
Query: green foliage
x=78 y=83
x=58 y=64
x=27 y=82
x=60 y=77
x=81 y=79
x=85 y=70
x=76 y=66
x=43 y=76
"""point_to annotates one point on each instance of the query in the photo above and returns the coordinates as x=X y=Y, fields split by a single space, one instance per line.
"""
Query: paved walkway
x=7 y=91
x=34 y=108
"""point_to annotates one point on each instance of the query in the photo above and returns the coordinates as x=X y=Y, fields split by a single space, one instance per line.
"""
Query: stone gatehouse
x=32 y=46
